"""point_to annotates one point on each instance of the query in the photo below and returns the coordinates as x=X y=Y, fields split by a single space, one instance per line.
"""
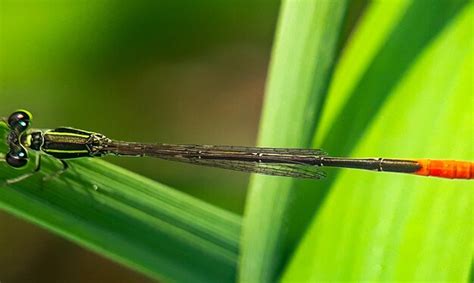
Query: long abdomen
x=450 y=169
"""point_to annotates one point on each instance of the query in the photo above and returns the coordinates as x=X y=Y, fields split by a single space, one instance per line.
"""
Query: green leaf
x=301 y=65
x=389 y=227
x=128 y=218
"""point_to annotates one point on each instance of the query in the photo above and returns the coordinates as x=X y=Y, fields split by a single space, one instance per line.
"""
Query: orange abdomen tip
x=450 y=169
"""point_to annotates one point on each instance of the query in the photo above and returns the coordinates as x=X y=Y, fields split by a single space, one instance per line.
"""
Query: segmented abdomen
x=450 y=169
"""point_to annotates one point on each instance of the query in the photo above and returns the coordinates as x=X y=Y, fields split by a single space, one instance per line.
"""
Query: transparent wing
x=289 y=162
x=248 y=149
x=274 y=169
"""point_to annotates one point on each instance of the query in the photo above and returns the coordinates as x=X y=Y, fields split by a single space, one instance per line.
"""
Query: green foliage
x=128 y=218
x=402 y=87
x=392 y=227
x=302 y=60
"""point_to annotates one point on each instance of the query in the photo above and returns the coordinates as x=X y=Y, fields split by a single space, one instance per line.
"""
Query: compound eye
x=17 y=158
x=19 y=120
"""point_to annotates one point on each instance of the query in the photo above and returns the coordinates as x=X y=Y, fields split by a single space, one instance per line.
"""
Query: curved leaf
x=389 y=227
x=128 y=218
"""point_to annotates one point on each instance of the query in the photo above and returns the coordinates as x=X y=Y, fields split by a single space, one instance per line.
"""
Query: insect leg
x=27 y=175
x=57 y=173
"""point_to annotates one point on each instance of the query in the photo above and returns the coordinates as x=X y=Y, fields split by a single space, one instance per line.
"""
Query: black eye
x=19 y=120
x=17 y=157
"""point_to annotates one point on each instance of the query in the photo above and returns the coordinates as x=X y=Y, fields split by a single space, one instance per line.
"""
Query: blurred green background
x=154 y=71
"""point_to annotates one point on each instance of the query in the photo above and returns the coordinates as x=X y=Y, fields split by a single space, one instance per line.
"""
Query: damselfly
x=68 y=143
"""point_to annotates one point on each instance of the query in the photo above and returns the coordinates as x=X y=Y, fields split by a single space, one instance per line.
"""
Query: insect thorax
x=34 y=140
x=97 y=144
x=66 y=143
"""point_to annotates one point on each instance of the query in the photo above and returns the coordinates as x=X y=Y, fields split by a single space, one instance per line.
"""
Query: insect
x=69 y=143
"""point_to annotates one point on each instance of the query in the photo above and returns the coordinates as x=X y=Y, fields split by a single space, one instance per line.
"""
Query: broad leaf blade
x=390 y=227
x=302 y=60
x=130 y=219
